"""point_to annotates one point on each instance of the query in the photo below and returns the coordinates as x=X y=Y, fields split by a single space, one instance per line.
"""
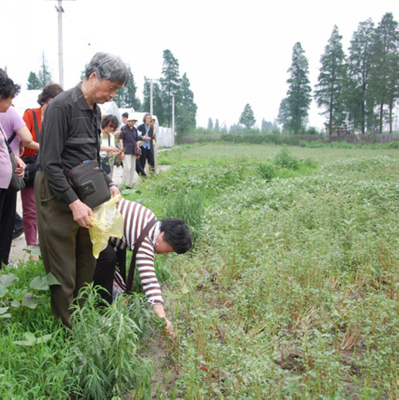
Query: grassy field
x=291 y=289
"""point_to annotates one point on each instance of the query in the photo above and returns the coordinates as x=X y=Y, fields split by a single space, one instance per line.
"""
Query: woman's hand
x=112 y=151
x=160 y=312
x=20 y=170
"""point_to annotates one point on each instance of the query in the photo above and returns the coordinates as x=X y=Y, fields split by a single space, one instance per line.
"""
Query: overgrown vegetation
x=289 y=292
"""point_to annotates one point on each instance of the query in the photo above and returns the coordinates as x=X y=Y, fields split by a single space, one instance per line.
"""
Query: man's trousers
x=65 y=247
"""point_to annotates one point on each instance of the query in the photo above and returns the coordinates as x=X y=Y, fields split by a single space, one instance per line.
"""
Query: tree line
x=358 y=91
x=168 y=88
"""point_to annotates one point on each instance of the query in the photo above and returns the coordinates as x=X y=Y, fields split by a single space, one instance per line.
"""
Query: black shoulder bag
x=16 y=183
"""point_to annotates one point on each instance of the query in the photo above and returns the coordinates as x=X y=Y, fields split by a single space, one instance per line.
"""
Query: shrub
x=284 y=159
x=267 y=171
x=393 y=145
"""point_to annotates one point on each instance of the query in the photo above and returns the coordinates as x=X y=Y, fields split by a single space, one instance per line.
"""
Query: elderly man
x=70 y=135
x=168 y=235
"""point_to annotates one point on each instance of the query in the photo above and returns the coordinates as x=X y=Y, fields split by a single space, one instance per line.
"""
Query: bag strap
x=137 y=245
x=7 y=140
x=11 y=138
x=36 y=125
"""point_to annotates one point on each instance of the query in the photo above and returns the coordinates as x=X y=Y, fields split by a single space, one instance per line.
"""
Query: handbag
x=137 y=151
x=119 y=285
x=31 y=166
x=136 y=148
x=89 y=183
x=17 y=183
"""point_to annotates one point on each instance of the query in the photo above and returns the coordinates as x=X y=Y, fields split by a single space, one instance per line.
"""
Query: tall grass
x=104 y=354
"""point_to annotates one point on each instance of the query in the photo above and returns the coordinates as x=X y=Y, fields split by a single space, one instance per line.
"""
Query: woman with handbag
x=8 y=196
x=33 y=118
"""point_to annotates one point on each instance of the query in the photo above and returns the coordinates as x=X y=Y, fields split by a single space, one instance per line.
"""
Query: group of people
x=71 y=132
x=133 y=149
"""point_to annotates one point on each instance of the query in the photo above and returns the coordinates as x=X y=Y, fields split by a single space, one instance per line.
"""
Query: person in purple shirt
x=8 y=199
x=16 y=131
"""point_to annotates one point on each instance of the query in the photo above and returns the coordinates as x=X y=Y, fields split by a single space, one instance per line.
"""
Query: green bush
x=267 y=171
x=394 y=145
x=284 y=159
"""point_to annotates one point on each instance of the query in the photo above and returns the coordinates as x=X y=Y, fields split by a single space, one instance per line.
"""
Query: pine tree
x=283 y=113
x=186 y=109
x=33 y=82
x=266 y=126
x=130 y=98
x=170 y=83
x=385 y=69
x=210 y=124
x=44 y=74
x=331 y=81
x=126 y=95
x=216 y=128
x=359 y=97
x=298 y=94
x=247 y=117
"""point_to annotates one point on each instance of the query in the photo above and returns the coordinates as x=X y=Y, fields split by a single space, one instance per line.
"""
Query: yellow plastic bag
x=107 y=222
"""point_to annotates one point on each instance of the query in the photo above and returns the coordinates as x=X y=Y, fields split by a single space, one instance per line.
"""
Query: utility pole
x=173 y=118
x=151 y=91
x=60 y=10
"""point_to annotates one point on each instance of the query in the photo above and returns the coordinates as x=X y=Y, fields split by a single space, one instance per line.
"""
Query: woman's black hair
x=145 y=116
x=7 y=87
x=109 y=120
x=177 y=234
x=49 y=92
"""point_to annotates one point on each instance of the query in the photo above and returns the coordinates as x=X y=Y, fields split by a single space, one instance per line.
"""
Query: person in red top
x=29 y=157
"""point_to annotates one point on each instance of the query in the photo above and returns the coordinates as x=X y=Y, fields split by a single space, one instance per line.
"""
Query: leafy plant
x=284 y=159
x=104 y=352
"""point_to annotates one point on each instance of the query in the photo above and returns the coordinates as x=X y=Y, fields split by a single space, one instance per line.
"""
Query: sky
x=234 y=52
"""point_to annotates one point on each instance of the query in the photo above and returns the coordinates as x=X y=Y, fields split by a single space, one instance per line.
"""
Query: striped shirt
x=136 y=217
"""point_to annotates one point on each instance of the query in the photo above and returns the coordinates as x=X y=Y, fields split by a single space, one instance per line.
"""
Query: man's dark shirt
x=129 y=137
x=70 y=135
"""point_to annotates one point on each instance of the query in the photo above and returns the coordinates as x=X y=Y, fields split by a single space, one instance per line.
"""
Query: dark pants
x=139 y=168
x=8 y=203
x=65 y=247
x=18 y=225
x=105 y=270
x=147 y=154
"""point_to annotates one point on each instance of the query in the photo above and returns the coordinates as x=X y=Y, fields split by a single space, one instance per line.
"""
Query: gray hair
x=108 y=66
